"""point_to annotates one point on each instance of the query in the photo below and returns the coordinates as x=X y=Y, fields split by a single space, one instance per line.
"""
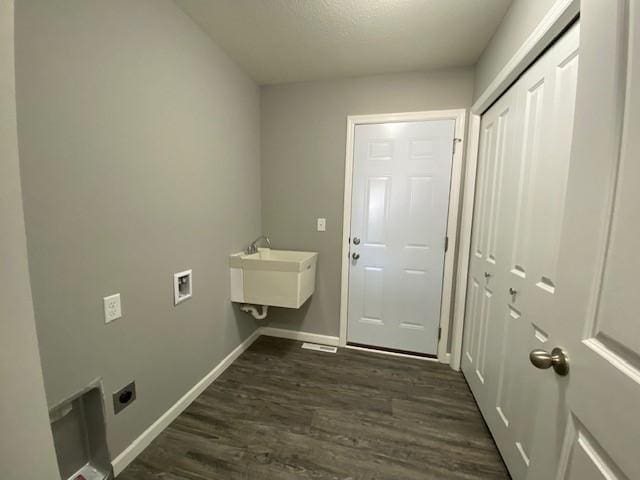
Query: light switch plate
x=322 y=224
x=112 y=308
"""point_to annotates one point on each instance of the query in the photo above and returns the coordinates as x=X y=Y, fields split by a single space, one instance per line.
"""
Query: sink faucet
x=253 y=248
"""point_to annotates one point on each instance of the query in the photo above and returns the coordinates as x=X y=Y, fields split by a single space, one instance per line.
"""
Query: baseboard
x=301 y=336
x=143 y=441
x=446 y=359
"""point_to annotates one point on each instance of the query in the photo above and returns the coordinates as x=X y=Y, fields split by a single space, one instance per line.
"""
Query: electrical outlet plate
x=112 y=308
x=322 y=224
x=124 y=397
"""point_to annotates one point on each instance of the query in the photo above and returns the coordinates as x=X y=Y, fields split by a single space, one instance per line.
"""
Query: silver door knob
x=487 y=274
x=558 y=359
x=356 y=241
x=512 y=291
x=355 y=256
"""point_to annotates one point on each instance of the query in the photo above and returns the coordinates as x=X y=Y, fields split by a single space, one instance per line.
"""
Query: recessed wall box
x=182 y=286
x=79 y=436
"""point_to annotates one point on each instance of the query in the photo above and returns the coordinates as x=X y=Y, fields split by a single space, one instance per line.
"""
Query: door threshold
x=392 y=351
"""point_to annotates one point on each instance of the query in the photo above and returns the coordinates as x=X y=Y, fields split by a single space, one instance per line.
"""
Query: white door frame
x=452 y=221
x=559 y=16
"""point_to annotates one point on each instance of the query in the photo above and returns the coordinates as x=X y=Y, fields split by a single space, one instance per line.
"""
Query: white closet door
x=400 y=198
x=523 y=165
x=588 y=427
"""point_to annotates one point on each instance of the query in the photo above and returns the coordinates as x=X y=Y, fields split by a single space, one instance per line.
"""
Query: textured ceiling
x=279 y=41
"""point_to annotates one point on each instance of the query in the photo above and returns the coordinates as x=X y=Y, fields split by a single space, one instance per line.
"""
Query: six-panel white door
x=588 y=425
x=523 y=166
x=400 y=197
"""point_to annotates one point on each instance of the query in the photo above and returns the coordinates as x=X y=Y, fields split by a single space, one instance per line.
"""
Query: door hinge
x=455 y=141
x=446 y=244
x=439 y=333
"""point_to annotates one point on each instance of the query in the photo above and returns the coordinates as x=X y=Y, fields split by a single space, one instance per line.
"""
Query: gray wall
x=26 y=446
x=303 y=153
x=518 y=23
x=139 y=144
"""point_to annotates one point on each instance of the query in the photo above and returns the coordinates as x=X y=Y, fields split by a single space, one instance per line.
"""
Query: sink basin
x=279 y=278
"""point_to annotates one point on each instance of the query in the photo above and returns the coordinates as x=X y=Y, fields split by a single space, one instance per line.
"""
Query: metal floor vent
x=319 y=348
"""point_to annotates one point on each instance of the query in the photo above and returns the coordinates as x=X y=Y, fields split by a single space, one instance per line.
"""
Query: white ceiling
x=278 y=41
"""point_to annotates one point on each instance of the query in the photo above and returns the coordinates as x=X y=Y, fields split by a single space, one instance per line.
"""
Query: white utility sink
x=278 y=278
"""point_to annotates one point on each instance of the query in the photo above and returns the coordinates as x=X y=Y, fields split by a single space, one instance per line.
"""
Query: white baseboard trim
x=446 y=359
x=143 y=441
x=301 y=336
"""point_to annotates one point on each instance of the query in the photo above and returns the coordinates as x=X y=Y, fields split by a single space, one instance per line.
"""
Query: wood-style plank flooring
x=283 y=413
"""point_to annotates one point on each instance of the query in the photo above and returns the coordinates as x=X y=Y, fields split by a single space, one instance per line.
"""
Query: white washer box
x=182 y=286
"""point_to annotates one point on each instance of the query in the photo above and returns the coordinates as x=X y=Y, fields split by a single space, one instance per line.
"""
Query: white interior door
x=588 y=425
x=523 y=166
x=400 y=197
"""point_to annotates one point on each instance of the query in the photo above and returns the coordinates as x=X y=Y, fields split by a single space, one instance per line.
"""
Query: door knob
x=487 y=274
x=512 y=291
x=355 y=256
x=356 y=241
x=558 y=359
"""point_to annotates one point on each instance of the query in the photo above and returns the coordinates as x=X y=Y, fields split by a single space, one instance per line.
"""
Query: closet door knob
x=355 y=256
x=558 y=359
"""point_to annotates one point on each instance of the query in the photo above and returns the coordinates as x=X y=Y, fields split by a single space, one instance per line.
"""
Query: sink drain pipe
x=253 y=310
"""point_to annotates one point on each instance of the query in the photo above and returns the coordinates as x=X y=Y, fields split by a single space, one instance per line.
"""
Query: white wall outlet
x=182 y=286
x=322 y=224
x=112 y=308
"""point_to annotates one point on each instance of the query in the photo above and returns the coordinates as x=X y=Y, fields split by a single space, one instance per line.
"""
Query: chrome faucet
x=253 y=247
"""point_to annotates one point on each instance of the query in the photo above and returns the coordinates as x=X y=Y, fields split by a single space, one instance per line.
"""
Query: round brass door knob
x=557 y=359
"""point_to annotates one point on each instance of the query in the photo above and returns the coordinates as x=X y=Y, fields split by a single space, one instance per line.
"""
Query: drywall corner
x=26 y=443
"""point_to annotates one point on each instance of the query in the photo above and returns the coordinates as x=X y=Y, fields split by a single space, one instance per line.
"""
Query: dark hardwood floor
x=283 y=413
